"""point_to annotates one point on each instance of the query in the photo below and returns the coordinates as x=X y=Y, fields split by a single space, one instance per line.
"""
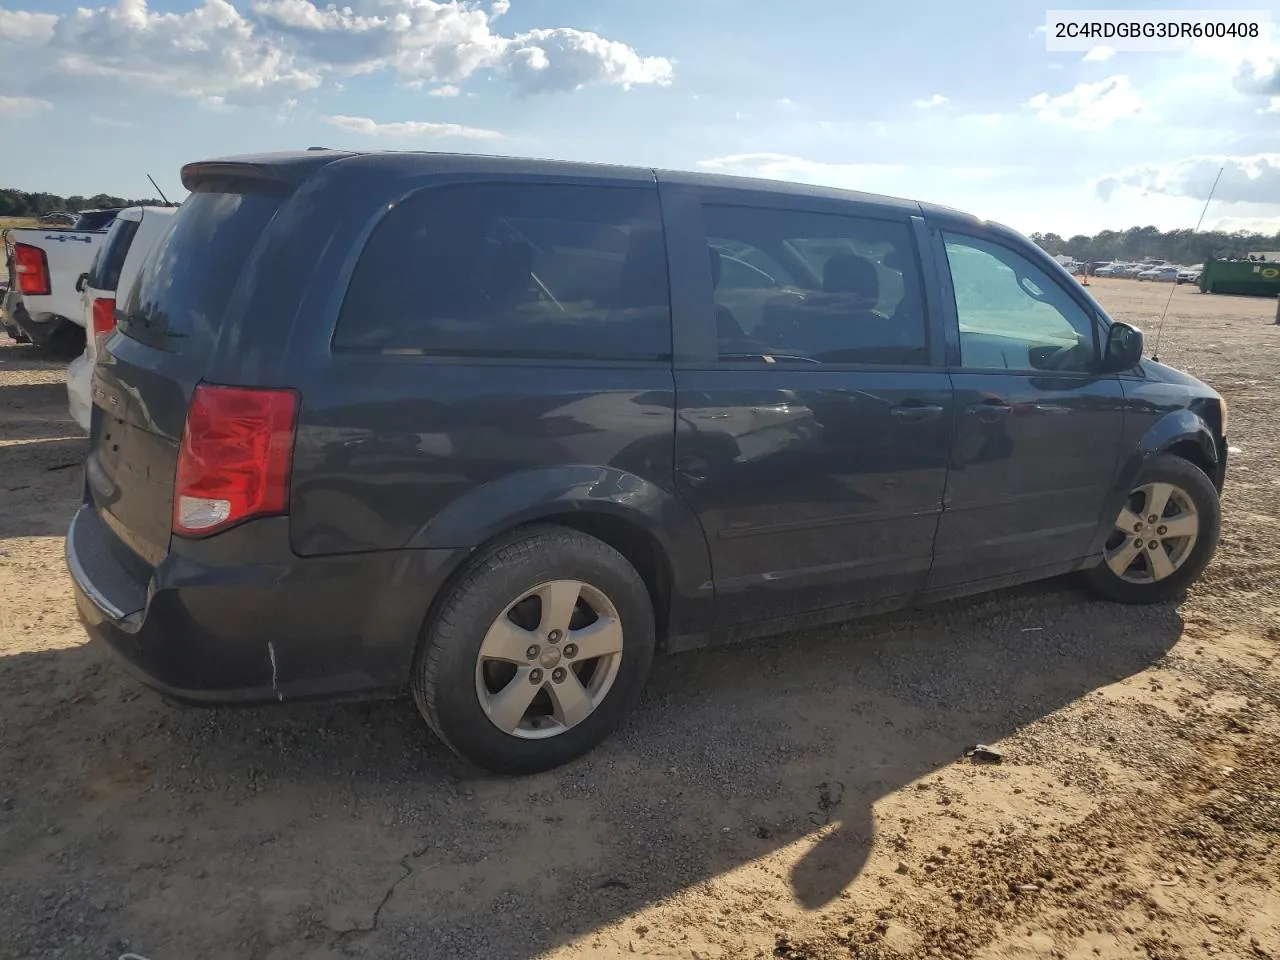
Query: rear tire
x=1186 y=530
x=509 y=687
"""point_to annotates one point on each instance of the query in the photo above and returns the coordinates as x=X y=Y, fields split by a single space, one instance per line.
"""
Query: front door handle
x=916 y=411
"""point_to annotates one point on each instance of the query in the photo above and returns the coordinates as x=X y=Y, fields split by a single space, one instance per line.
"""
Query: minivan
x=494 y=431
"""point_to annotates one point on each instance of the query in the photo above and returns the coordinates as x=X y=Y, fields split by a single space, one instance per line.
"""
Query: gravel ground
x=804 y=798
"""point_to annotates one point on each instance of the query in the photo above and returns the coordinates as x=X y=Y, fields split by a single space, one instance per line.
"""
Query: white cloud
x=21 y=26
x=271 y=50
x=111 y=122
x=1099 y=54
x=565 y=59
x=211 y=52
x=22 y=107
x=1251 y=179
x=936 y=100
x=410 y=128
x=448 y=90
x=1092 y=105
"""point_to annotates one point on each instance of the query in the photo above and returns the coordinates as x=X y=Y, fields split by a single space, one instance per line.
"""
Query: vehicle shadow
x=346 y=830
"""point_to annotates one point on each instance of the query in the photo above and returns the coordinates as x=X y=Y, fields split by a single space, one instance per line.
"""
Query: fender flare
x=531 y=495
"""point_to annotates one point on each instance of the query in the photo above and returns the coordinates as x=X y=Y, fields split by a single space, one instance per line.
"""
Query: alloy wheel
x=549 y=659
x=1154 y=534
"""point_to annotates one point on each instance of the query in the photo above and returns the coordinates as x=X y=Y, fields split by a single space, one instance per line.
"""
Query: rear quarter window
x=105 y=272
x=534 y=271
x=186 y=281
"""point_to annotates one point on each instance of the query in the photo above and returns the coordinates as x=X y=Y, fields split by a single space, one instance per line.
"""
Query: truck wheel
x=537 y=653
x=67 y=342
x=1164 y=537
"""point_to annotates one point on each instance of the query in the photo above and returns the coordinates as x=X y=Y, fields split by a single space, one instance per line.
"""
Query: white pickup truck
x=42 y=303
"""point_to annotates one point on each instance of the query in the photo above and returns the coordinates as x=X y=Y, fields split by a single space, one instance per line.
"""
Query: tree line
x=1175 y=246
x=20 y=203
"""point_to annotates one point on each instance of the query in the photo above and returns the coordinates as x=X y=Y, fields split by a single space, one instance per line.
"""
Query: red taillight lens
x=235 y=459
x=33 y=270
x=104 y=320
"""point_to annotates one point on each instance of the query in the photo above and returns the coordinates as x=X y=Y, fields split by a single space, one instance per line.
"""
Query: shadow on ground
x=336 y=830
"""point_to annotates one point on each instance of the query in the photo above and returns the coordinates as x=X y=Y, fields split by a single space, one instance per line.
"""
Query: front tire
x=1164 y=536
x=537 y=653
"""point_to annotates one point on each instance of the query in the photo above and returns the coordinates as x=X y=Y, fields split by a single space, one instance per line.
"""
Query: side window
x=537 y=271
x=815 y=287
x=1013 y=315
x=105 y=272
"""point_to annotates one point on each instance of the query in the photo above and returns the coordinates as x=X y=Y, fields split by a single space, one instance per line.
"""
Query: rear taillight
x=104 y=320
x=33 y=270
x=235 y=459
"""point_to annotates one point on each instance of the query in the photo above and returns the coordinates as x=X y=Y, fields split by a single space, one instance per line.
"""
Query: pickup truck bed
x=43 y=269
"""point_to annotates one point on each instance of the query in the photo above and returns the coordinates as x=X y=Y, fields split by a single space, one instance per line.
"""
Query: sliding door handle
x=913 y=412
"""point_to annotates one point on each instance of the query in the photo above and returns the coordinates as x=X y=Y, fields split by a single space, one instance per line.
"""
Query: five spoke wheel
x=549 y=659
x=1154 y=535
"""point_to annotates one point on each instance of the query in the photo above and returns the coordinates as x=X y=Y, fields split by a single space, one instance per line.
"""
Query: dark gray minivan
x=495 y=430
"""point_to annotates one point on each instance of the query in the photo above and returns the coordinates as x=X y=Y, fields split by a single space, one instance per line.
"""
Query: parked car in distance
x=43 y=300
x=58 y=218
x=1159 y=274
x=132 y=234
x=1190 y=274
x=489 y=429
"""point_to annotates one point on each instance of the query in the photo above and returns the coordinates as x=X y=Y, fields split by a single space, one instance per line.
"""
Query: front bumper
x=239 y=618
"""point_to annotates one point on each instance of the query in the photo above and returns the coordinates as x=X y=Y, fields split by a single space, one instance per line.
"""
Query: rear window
x=105 y=273
x=186 y=281
x=532 y=271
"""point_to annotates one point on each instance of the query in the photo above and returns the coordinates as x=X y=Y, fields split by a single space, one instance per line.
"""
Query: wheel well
x=1193 y=453
x=639 y=547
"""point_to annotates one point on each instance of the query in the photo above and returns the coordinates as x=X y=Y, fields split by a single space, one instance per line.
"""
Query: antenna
x=166 y=199
x=1155 y=351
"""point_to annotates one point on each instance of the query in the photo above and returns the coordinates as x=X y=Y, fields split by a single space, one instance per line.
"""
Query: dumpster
x=1250 y=278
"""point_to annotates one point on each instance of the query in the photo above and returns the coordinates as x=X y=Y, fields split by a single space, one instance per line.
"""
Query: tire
x=1145 y=580
x=67 y=342
x=495 y=593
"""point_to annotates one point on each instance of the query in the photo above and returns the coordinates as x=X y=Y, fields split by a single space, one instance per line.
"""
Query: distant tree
x=20 y=203
x=1140 y=243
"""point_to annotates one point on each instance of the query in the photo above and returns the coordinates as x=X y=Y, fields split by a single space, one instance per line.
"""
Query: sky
x=958 y=104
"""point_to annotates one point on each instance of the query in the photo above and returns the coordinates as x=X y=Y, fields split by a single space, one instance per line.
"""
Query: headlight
x=1222 y=414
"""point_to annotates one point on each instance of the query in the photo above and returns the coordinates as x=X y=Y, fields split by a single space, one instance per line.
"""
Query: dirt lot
x=802 y=798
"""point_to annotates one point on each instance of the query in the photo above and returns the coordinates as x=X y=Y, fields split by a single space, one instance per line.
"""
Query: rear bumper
x=239 y=618
x=79 y=385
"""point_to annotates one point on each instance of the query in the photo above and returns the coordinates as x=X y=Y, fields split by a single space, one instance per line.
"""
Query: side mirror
x=81 y=281
x=1123 y=348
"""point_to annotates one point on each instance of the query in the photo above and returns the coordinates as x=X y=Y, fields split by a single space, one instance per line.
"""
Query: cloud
x=1092 y=105
x=211 y=52
x=1246 y=179
x=1099 y=54
x=270 y=50
x=1259 y=76
x=22 y=107
x=448 y=90
x=410 y=128
x=565 y=59
x=111 y=122
x=20 y=26
x=936 y=100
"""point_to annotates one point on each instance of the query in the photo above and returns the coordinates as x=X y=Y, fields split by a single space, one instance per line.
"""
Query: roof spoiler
x=279 y=169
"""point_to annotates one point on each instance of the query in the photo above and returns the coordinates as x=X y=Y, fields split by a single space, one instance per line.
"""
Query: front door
x=1038 y=429
x=813 y=432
